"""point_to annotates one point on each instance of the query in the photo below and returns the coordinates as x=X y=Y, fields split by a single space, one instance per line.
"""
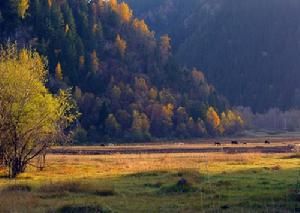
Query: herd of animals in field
x=230 y=146
x=292 y=147
x=235 y=142
x=218 y=143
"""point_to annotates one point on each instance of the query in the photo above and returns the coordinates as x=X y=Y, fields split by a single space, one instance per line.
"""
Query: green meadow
x=213 y=182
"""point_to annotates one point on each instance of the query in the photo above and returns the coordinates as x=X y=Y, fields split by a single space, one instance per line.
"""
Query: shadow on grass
x=83 y=209
x=261 y=189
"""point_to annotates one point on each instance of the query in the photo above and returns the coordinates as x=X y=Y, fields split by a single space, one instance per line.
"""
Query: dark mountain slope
x=249 y=49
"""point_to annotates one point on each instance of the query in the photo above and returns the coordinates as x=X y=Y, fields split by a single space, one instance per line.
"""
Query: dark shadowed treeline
x=125 y=81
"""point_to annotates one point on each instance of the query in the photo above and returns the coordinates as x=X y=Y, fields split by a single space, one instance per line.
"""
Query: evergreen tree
x=121 y=45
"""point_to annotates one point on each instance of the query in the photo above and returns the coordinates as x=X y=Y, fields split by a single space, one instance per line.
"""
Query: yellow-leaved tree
x=213 y=121
x=141 y=27
x=58 y=72
x=124 y=12
x=140 y=126
x=23 y=6
x=31 y=118
x=231 y=122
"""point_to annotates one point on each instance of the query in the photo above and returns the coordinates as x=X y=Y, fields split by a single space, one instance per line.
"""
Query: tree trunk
x=16 y=167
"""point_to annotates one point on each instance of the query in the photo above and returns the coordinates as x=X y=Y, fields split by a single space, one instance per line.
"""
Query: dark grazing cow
x=217 y=144
x=267 y=142
x=234 y=142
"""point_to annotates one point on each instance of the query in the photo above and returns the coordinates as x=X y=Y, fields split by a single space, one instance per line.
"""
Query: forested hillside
x=124 y=80
x=249 y=50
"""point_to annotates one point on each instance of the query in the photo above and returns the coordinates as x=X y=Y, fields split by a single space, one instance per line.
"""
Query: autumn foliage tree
x=23 y=6
x=141 y=27
x=140 y=126
x=231 y=122
x=213 y=121
x=58 y=72
x=124 y=12
x=31 y=118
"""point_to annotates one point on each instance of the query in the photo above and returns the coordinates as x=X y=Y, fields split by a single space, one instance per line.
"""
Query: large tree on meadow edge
x=31 y=118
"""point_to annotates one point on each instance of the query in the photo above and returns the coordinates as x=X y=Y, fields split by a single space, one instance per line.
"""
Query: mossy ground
x=216 y=182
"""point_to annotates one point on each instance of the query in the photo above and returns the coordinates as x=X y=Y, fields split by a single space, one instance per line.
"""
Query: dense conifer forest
x=124 y=78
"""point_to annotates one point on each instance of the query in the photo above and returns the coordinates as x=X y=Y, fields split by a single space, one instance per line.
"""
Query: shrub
x=182 y=186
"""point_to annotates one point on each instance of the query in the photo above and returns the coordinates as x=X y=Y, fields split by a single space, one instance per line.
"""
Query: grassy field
x=210 y=182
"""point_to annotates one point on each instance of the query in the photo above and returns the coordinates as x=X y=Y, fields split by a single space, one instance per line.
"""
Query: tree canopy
x=31 y=118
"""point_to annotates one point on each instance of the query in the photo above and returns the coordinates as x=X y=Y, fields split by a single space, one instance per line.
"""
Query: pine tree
x=95 y=62
x=165 y=48
x=112 y=126
x=81 y=62
x=121 y=45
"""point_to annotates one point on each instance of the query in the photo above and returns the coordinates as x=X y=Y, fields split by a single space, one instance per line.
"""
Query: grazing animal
x=245 y=143
x=182 y=182
x=102 y=144
x=267 y=142
x=217 y=144
x=234 y=142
